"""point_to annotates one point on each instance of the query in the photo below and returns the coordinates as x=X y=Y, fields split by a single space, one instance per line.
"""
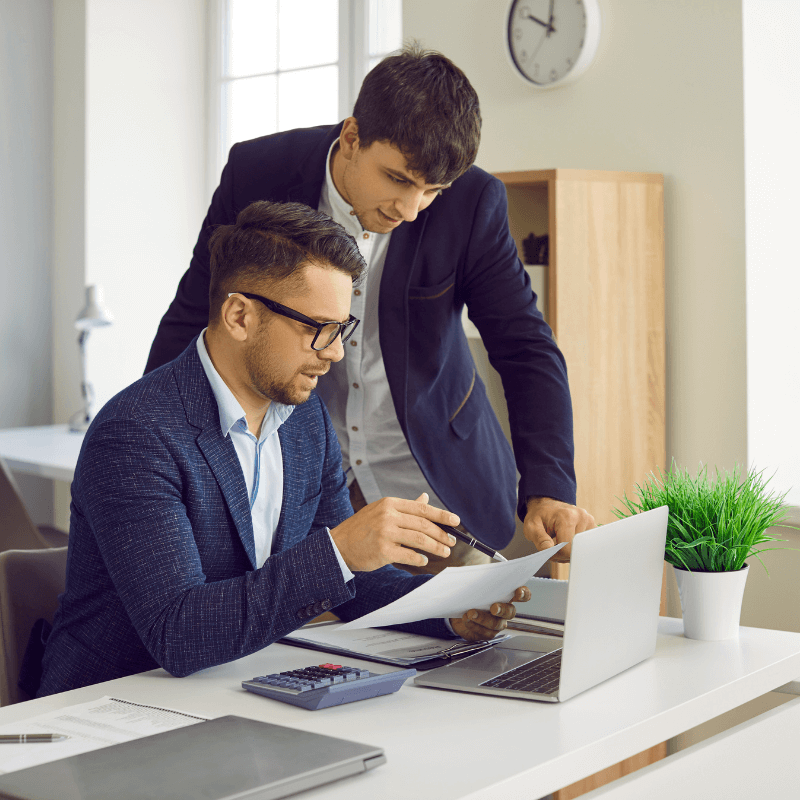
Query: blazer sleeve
x=132 y=498
x=521 y=347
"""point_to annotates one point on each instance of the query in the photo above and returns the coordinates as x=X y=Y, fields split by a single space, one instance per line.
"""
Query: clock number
x=553 y=75
x=517 y=33
x=569 y=63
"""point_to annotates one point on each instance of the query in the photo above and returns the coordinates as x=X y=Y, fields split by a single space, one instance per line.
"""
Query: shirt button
x=358 y=462
x=353 y=343
x=355 y=386
x=357 y=292
x=355 y=428
x=366 y=236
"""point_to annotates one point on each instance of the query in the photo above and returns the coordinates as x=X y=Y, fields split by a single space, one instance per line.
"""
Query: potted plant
x=714 y=527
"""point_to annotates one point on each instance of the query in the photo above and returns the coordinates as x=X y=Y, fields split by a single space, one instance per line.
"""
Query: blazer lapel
x=218 y=450
x=393 y=308
x=311 y=171
x=294 y=479
x=220 y=454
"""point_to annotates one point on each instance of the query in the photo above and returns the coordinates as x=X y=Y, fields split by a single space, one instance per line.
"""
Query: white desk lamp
x=93 y=315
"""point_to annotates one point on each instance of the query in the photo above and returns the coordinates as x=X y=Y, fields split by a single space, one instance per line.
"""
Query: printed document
x=89 y=726
x=456 y=590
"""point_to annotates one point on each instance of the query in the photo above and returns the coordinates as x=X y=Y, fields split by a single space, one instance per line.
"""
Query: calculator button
x=326 y=685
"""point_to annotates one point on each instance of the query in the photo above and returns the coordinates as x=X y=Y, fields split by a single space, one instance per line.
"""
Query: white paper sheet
x=456 y=590
x=90 y=726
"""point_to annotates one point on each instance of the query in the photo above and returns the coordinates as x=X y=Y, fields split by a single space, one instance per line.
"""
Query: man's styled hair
x=422 y=103
x=276 y=241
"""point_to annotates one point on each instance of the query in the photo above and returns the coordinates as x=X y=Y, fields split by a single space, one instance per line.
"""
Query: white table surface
x=451 y=745
x=50 y=451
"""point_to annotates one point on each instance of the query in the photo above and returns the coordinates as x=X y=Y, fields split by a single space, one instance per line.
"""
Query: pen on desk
x=31 y=738
x=472 y=542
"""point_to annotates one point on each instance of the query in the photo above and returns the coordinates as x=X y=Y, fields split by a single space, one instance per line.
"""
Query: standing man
x=408 y=407
x=210 y=515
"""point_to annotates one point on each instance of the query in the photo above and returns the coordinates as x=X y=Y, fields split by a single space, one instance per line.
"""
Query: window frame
x=354 y=62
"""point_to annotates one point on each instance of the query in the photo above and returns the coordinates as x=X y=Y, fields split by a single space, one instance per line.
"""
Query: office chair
x=17 y=529
x=30 y=583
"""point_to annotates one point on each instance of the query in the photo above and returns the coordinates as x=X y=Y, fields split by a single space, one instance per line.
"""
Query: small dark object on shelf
x=536 y=249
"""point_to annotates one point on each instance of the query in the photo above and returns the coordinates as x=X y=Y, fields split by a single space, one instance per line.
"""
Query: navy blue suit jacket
x=161 y=562
x=458 y=251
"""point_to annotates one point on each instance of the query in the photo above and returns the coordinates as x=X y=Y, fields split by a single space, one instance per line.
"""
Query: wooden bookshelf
x=605 y=304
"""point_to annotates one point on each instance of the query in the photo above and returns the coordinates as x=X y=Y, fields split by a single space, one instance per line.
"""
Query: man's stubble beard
x=263 y=381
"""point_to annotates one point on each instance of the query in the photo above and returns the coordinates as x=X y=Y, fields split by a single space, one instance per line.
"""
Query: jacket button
x=326 y=604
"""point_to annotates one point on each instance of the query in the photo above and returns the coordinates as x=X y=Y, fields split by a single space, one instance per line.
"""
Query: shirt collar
x=230 y=409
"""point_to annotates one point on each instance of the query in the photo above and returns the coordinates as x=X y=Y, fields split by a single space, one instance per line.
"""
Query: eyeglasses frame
x=285 y=311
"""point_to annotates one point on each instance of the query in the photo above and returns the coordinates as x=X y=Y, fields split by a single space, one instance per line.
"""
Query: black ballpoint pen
x=31 y=738
x=472 y=542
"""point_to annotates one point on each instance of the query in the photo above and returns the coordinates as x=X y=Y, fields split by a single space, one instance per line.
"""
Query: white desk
x=448 y=745
x=50 y=451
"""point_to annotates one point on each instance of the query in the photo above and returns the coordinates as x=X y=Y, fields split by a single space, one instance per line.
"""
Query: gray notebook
x=225 y=758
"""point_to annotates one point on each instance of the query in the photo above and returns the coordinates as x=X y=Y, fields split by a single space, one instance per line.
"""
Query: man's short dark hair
x=422 y=103
x=275 y=241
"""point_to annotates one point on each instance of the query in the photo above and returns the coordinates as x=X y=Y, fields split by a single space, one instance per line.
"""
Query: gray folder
x=225 y=758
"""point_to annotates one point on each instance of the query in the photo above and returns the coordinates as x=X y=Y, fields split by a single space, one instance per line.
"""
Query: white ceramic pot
x=711 y=603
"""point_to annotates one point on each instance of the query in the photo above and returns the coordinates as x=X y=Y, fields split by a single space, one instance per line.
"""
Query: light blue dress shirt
x=261 y=459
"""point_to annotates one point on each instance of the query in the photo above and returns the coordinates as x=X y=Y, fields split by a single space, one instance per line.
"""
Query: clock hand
x=541 y=22
x=550 y=28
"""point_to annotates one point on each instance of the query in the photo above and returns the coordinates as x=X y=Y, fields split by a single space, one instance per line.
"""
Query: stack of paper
x=388 y=647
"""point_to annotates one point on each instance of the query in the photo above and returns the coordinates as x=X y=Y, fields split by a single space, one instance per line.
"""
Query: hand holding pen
x=471 y=541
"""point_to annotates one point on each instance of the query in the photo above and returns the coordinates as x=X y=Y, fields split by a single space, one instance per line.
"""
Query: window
x=283 y=64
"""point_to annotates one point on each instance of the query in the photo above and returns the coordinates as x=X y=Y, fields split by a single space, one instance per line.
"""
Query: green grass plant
x=714 y=525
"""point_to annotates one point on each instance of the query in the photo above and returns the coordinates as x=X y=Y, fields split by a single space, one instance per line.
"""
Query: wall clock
x=552 y=42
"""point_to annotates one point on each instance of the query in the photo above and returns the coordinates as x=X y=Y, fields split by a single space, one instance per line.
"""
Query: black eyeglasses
x=326 y=332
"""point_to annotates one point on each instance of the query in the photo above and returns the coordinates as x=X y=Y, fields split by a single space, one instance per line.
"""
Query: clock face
x=552 y=41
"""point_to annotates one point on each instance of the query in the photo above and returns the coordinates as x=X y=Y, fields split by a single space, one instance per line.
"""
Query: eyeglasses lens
x=327 y=335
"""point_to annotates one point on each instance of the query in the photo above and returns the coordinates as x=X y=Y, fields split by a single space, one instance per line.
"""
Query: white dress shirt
x=261 y=459
x=356 y=390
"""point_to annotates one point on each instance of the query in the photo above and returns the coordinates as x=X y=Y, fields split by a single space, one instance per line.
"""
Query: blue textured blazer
x=161 y=562
x=457 y=251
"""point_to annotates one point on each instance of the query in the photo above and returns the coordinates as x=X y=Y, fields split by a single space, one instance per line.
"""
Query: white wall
x=26 y=191
x=772 y=175
x=664 y=95
x=145 y=169
x=129 y=167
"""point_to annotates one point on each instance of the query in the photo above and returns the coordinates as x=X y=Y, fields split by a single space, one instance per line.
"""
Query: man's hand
x=476 y=626
x=385 y=531
x=549 y=522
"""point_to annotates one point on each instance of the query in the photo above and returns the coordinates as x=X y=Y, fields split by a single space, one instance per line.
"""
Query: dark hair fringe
x=275 y=241
x=423 y=104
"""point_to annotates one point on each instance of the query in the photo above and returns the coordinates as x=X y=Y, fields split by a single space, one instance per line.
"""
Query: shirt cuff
x=346 y=574
x=450 y=627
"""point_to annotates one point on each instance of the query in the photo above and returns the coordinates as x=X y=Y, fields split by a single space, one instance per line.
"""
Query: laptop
x=611 y=621
x=221 y=759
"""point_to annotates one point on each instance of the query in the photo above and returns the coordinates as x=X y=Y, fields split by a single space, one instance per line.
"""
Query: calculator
x=327 y=685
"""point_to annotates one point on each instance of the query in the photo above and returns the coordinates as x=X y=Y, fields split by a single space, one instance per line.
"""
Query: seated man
x=210 y=512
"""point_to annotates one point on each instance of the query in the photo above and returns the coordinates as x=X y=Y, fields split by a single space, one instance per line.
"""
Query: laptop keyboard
x=540 y=676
